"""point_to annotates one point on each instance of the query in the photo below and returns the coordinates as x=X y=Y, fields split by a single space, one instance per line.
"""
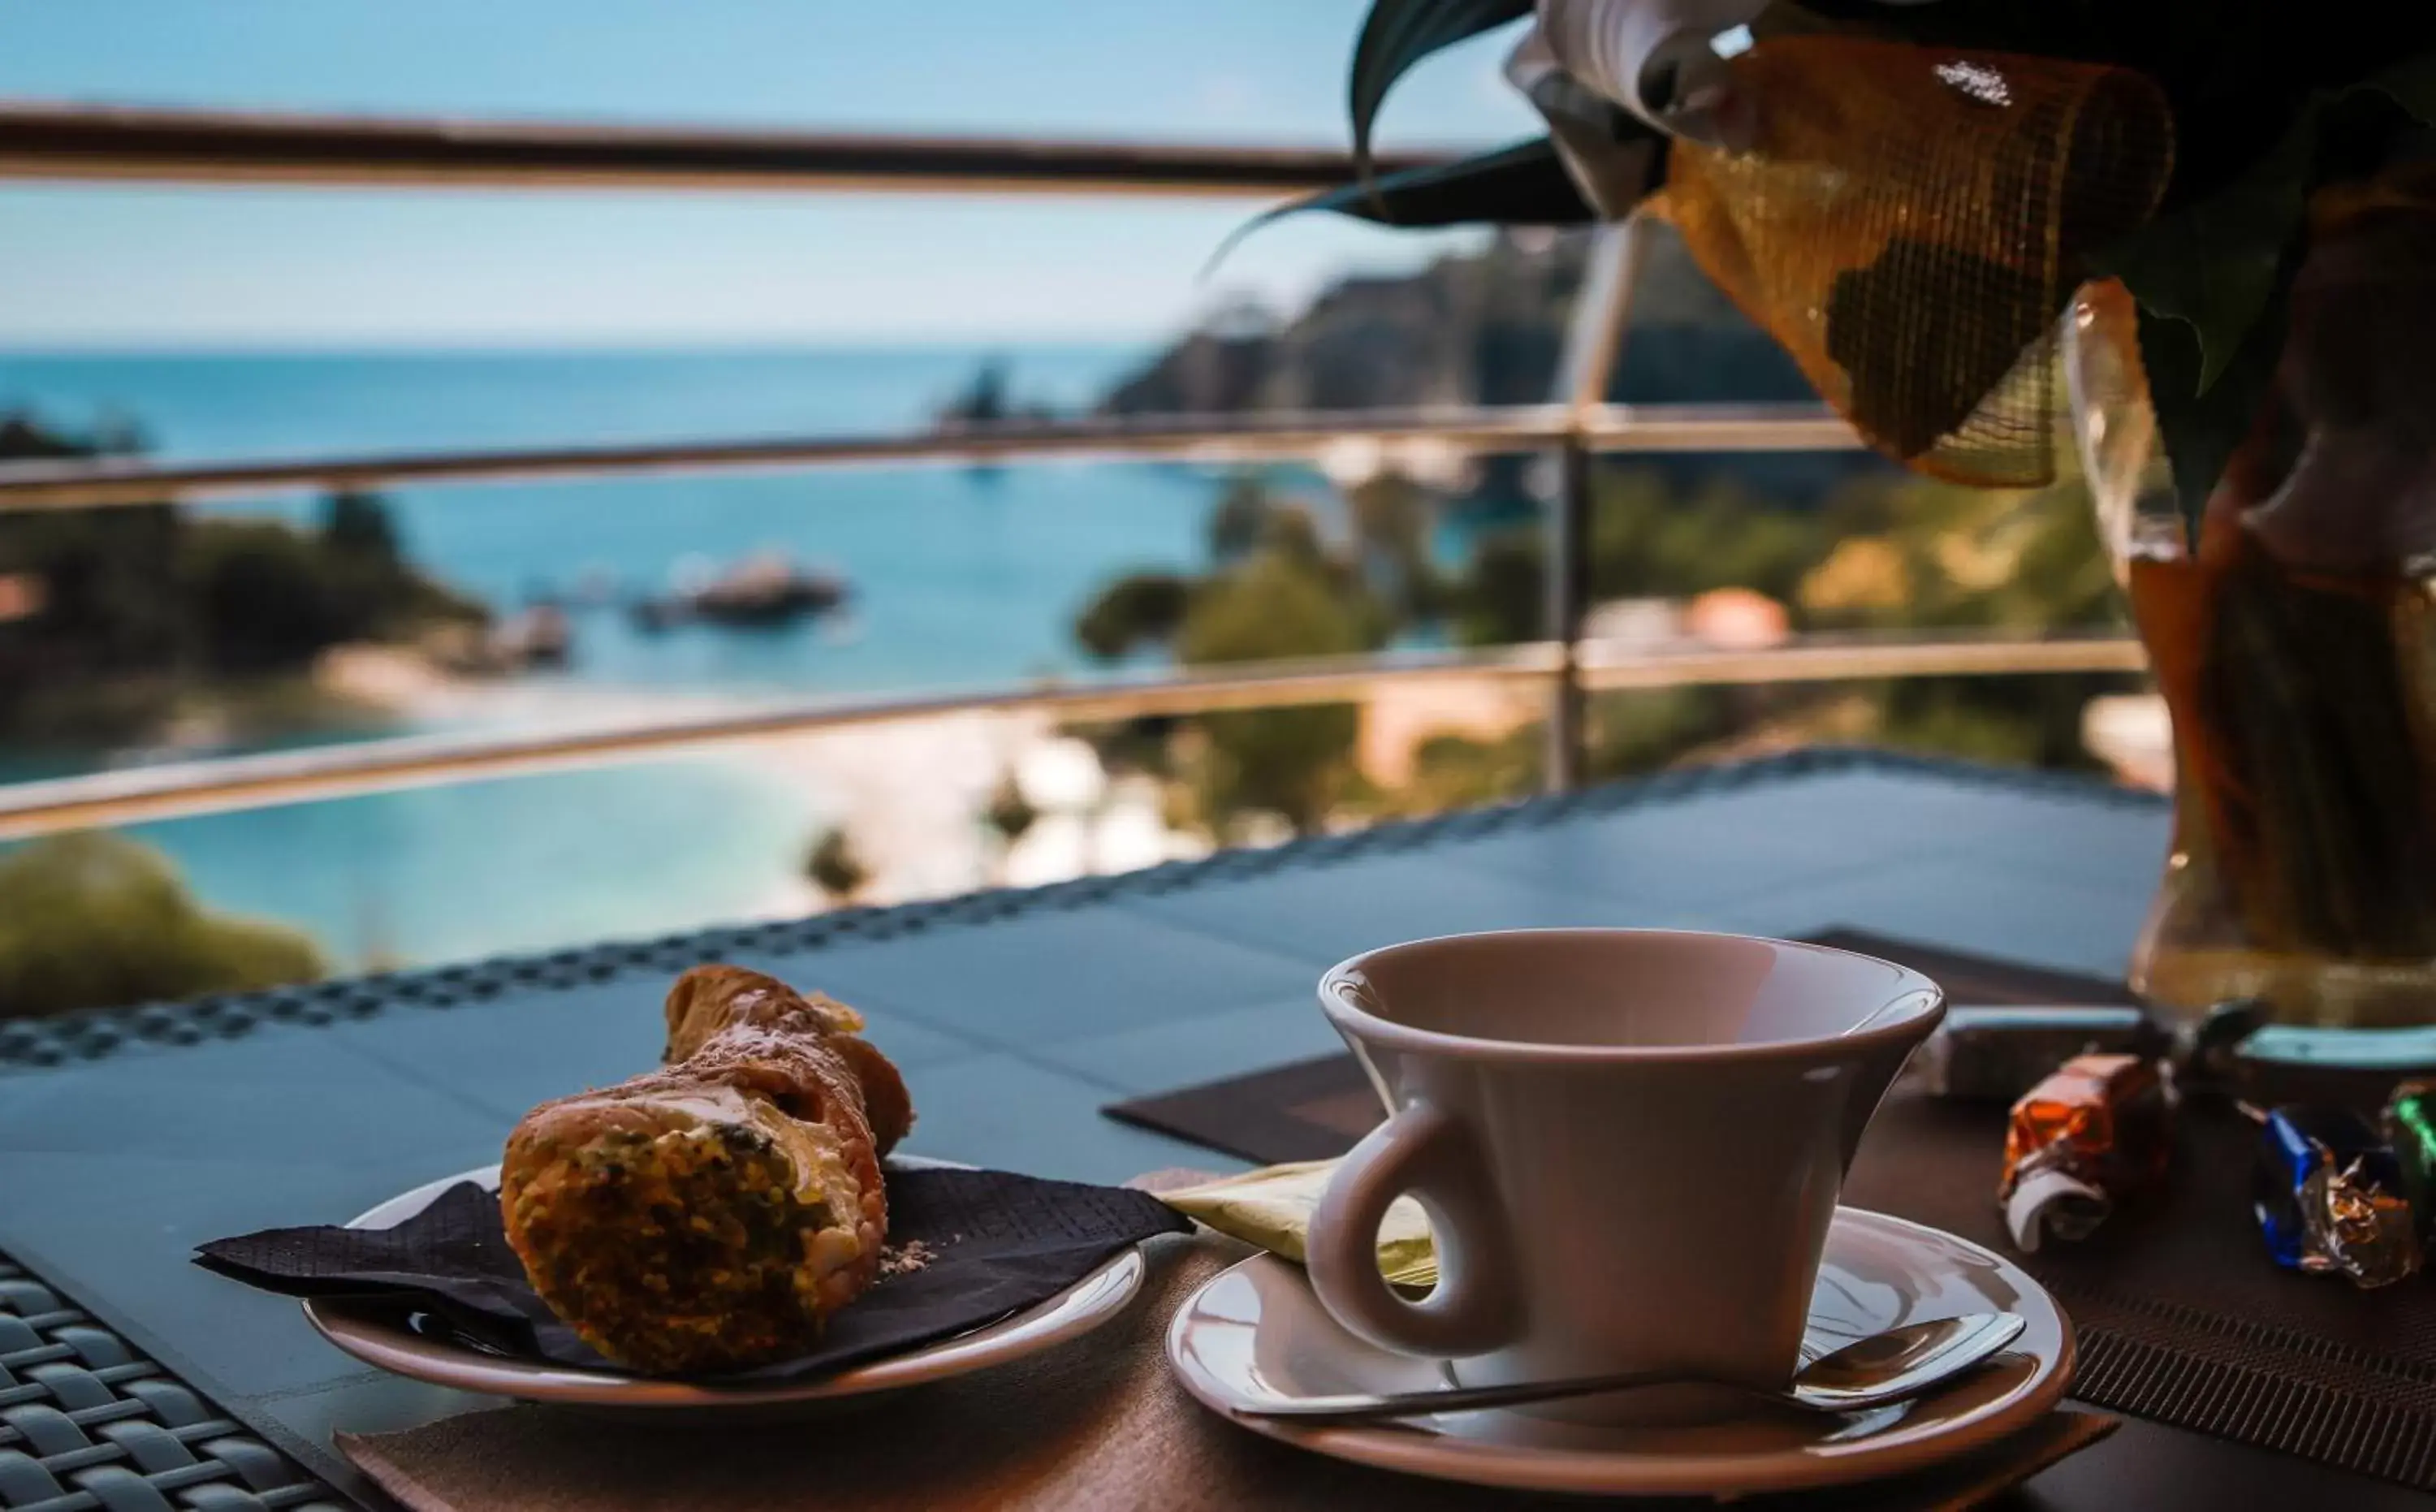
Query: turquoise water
x=963 y=578
x=481 y=868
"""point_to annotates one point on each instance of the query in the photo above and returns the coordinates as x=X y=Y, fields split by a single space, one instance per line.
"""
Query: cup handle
x=1475 y=1308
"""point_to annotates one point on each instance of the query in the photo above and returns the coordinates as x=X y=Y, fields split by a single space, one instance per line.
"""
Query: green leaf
x=1399 y=33
x=2201 y=430
x=1522 y=184
x=2215 y=266
x=1525 y=185
x=2412 y=86
x=2211 y=278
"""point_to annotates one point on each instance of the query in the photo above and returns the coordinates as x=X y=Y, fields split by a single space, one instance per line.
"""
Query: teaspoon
x=1875 y=1371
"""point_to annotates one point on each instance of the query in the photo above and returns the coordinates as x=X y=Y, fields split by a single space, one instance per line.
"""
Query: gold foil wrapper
x=1272 y=1209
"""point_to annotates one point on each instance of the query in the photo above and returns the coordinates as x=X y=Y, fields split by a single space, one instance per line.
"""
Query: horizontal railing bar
x=112 y=143
x=1188 y=438
x=1859 y=660
x=224 y=784
x=1219 y=437
x=1672 y=427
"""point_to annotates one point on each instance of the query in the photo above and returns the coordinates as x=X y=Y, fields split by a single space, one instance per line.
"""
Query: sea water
x=962 y=577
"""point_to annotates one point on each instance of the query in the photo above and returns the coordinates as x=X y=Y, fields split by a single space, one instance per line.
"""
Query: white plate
x=376 y=1334
x=1257 y=1332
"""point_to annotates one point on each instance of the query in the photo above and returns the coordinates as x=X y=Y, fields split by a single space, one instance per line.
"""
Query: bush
x=97 y=920
x=1009 y=812
x=1140 y=610
x=1288 y=761
x=1503 y=597
x=1463 y=772
x=1241 y=521
x=141 y=605
x=835 y=867
x=261 y=597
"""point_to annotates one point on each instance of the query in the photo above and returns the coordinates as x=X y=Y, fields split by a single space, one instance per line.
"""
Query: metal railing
x=68 y=143
x=181 y=790
x=1213 y=439
x=1576 y=426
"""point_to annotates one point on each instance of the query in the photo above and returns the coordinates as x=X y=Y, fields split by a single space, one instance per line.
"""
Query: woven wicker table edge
x=90 y=1420
x=32 y=1045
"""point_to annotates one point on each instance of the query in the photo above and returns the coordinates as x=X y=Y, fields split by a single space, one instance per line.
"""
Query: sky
x=125 y=267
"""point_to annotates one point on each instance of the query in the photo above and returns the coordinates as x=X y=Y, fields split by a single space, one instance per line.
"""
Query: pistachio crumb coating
x=711 y=1214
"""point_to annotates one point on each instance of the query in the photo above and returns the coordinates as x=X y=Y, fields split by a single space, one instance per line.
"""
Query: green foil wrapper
x=2410 y=1128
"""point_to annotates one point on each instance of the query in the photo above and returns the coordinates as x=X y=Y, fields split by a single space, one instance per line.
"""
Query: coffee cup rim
x=1922 y=998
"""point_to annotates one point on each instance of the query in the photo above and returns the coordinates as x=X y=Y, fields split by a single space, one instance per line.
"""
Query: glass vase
x=2292 y=634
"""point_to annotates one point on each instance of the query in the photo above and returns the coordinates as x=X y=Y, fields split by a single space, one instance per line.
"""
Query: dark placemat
x=2182 y=1317
x=1315 y=1109
x=1305 y=1110
x=1979 y=979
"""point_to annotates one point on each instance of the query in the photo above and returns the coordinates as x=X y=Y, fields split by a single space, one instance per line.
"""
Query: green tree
x=1647 y=538
x=1138 y=610
x=357 y=525
x=1646 y=728
x=1009 y=812
x=1503 y=597
x=94 y=920
x=1393 y=521
x=1241 y=520
x=262 y=599
x=835 y=866
x=1972 y=561
x=1462 y=772
x=101 y=574
x=1290 y=762
x=143 y=606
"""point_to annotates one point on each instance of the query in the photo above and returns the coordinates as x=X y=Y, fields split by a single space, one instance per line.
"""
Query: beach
x=960 y=579
x=911 y=792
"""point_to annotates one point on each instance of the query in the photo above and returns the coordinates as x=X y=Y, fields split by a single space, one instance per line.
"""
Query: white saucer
x=378 y=1335
x=1257 y=1332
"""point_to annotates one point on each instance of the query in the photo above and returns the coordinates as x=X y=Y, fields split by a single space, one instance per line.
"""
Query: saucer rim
x=1397 y=1448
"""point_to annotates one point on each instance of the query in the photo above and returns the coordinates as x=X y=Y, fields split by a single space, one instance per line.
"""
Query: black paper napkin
x=973 y=1246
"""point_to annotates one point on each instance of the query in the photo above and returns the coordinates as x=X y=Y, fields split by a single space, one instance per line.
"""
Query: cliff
x=1481 y=328
x=1487 y=328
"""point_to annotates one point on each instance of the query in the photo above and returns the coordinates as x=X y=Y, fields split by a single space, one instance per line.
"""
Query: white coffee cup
x=1630 y=1144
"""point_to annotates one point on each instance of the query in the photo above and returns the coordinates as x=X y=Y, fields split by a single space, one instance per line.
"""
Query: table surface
x=126 y=1139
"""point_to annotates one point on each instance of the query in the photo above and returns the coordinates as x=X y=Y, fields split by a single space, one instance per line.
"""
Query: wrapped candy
x=2411 y=1129
x=1995 y=1055
x=2329 y=1196
x=2095 y=1131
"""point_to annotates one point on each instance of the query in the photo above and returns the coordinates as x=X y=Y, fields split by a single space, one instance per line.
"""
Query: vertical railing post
x=1593 y=339
x=1569 y=556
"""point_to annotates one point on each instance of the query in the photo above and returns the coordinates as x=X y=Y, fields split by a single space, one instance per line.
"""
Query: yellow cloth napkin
x=1272 y=1209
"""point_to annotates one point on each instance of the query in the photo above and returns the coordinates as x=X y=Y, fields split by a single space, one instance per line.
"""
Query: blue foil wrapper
x=2329 y=1196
